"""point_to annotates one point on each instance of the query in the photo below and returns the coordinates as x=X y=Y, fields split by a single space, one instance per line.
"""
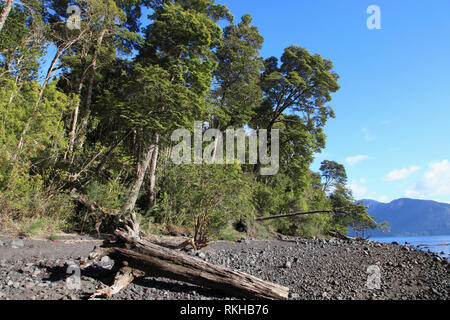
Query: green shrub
x=208 y=197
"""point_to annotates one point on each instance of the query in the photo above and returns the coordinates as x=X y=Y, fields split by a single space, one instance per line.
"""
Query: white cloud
x=413 y=194
x=354 y=160
x=384 y=199
x=401 y=174
x=436 y=181
x=358 y=190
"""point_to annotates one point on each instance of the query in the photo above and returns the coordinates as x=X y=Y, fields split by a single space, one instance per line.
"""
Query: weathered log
x=155 y=260
x=123 y=278
x=338 y=235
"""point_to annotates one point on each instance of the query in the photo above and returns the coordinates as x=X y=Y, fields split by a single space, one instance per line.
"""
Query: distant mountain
x=410 y=217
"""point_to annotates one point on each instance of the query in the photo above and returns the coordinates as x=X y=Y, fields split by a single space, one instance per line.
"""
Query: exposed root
x=131 y=227
x=197 y=245
x=95 y=256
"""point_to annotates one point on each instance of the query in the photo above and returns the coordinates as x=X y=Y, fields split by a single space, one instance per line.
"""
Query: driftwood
x=141 y=257
x=123 y=278
x=338 y=235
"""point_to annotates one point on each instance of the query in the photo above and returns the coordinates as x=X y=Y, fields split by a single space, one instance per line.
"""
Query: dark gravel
x=312 y=268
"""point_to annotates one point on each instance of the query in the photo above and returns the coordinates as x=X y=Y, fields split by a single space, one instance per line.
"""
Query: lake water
x=437 y=244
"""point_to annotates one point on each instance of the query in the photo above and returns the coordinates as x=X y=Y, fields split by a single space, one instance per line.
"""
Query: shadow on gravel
x=59 y=273
x=186 y=288
x=106 y=277
x=55 y=273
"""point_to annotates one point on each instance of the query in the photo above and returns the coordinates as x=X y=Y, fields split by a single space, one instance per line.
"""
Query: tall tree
x=22 y=42
x=296 y=89
x=332 y=173
x=236 y=91
x=355 y=215
x=5 y=12
x=301 y=85
x=106 y=20
x=63 y=38
x=180 y=41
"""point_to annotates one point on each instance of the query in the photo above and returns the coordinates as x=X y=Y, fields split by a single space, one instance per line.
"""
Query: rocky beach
x=313 y=269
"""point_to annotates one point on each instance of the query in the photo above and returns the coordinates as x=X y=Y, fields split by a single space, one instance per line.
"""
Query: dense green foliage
x=99 y=122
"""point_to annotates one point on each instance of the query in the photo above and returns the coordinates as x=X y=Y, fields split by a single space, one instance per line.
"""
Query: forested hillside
x=90 y=140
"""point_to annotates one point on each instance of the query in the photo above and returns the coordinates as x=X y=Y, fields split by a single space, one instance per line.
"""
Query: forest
x=92 y=91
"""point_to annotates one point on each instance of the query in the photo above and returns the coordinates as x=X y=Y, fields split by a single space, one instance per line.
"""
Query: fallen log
x=338 y=235
x=293 y=214
x=153 y=260
x=341 y=210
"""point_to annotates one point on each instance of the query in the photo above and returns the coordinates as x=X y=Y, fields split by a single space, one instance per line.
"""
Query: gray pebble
x=17 y=244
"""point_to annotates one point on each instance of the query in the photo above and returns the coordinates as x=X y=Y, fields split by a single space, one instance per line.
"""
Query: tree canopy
x=99 y=122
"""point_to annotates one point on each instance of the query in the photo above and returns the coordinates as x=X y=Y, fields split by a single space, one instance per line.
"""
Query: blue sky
x=392 y=126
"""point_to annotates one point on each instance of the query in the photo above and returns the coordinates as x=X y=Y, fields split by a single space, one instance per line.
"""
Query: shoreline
x=313 y=269
x=429 y=244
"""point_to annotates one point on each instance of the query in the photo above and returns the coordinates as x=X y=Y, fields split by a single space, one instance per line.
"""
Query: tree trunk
x=141 y=170
x=294 y=214
x=87 y=110
x=37 y=104
x=216 y=142
x=73 y=132
x=139 y=254
x=14 y=92
x=152 y=195
x=6 y=9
